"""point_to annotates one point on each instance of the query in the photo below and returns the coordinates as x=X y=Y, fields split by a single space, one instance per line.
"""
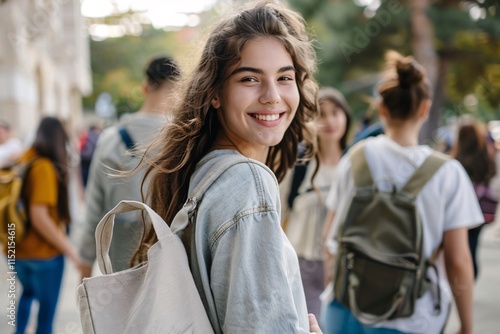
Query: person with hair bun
x=447 y=204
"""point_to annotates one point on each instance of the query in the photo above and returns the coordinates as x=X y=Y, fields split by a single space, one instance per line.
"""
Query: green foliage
x=118 y=65
x=351 y=42
x=351 y=45
x=351 y=48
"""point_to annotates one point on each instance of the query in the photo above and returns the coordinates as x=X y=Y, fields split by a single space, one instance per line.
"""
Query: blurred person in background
x=447 y=205
x=11 y=147
x=88 y=143
x=113 y=154
x=475 y=151
x=303 y=203
x=40 y=254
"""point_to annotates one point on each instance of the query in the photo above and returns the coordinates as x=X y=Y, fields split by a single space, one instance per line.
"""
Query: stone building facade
x=44 y=62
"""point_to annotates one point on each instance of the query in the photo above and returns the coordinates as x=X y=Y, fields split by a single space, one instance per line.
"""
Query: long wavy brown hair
x=471 y=150
x=192 y=132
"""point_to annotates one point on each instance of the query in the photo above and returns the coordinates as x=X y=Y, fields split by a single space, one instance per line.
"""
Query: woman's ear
x=216 y=102
x=424 y=109
x=382 y=110
x=144 y=87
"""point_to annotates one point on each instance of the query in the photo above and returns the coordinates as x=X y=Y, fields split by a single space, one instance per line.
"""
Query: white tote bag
x=157 y=296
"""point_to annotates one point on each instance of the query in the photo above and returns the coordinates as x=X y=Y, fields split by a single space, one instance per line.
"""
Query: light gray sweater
x=104 y=192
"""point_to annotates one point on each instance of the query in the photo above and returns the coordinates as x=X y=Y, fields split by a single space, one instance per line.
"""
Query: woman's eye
x=248 y=79
x=286 y=78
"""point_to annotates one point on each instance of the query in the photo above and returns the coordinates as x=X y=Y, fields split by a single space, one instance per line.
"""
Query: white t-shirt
x=307 y=217
x=446 y=202
x=10 y=151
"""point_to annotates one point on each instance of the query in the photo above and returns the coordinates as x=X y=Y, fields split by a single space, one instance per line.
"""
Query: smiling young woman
x=250 y=96
x=259 y=101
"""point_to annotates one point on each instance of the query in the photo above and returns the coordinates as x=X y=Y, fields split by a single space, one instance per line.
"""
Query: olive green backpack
x=380 y=269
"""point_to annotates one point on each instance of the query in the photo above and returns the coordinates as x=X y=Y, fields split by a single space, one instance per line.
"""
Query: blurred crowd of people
x=304 y=201
x=314 y=193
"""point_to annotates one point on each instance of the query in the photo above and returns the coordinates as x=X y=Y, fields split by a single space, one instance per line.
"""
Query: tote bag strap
x=104 y=231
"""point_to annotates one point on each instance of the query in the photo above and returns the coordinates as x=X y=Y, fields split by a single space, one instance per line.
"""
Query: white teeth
x=267 y=118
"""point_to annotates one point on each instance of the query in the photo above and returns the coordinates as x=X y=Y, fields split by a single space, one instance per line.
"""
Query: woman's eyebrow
x=260 y=71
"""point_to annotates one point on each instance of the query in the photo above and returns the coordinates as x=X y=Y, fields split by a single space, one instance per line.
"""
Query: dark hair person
x=474 y=151
x=336 y=101
x=40 y=255
x=446 y=204
x=111 y=154
x=250 y=95
x=303 y=203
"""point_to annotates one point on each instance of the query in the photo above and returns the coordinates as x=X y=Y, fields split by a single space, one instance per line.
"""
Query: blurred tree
x=422 y=46
x=458 y=42
x=118 y=64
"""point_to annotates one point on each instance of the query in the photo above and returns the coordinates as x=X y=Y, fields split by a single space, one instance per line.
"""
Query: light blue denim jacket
x=244 y=267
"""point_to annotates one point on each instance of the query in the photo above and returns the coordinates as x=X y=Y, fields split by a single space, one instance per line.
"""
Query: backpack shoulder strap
x=24 y=168
x=359 y=166
x=299 y=174
x=197 y=193
x=424 y=173
x=24 y=172
x=214 y=173
x=126 y=138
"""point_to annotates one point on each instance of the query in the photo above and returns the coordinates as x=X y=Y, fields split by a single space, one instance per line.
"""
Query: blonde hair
x=191 y=134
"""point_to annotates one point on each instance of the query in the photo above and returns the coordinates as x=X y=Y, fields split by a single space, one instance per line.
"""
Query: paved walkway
x=67 y=318
x=487 y=291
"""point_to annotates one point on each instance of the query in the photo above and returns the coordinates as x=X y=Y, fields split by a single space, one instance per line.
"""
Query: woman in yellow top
x=40 y=255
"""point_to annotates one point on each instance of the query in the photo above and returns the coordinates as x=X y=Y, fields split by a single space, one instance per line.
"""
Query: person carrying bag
x=155 y=296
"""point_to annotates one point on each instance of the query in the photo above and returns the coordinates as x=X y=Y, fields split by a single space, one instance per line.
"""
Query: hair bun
x=409 y=72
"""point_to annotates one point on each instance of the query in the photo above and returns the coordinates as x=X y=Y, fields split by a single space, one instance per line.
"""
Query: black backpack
x=380 y=269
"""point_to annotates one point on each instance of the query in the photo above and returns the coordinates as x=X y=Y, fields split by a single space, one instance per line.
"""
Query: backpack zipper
x=360 y=250
x=349 y=264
